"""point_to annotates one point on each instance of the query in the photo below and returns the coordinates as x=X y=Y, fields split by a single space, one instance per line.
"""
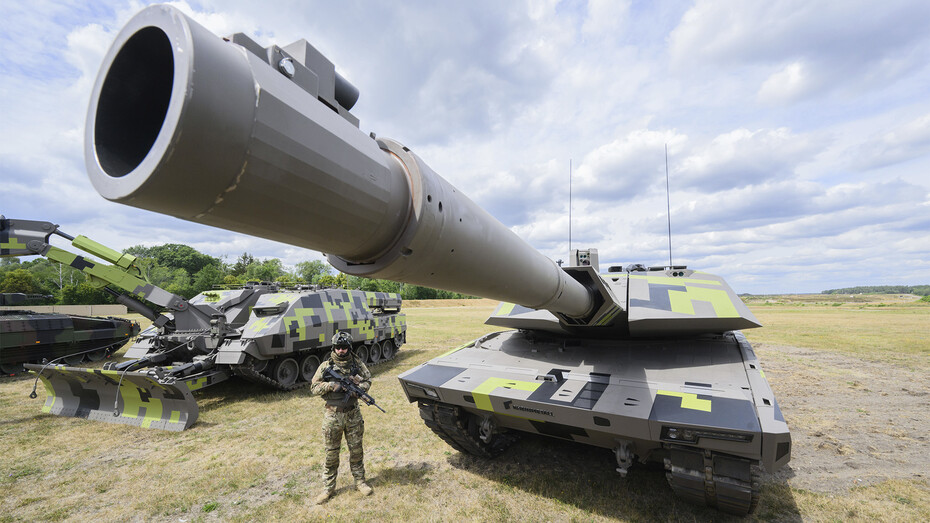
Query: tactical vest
x=338 y=398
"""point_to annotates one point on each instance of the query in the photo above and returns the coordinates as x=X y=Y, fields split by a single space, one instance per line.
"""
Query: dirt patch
x=853 y=422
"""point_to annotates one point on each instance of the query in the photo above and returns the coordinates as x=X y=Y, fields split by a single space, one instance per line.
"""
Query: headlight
x=686 y=435
x=417 y=390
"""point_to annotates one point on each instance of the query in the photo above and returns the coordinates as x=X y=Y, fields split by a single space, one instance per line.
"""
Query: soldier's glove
x=353 y=394
x=357 y=379
x=336 y=387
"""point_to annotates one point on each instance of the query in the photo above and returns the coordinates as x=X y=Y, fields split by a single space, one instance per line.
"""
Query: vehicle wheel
x=74 y=359
x=308 y=366
x=387 y=349
x=10 y=369
x=97 y=355
x=257 y=364
x=362 y=352
x=375 y=352
x=285 y=372
x=399 y=339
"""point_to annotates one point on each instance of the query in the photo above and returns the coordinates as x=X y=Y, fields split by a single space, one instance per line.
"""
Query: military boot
x=325 y=495
x=363 y=487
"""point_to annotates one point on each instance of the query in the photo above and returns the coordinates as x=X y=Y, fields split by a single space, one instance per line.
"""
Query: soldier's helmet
x=342 y=339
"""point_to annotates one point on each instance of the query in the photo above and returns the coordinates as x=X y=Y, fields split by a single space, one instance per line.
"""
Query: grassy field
x=257 y=455
x=888 y=328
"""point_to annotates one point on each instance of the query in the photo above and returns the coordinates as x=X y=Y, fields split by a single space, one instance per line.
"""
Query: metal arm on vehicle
x=31 y=238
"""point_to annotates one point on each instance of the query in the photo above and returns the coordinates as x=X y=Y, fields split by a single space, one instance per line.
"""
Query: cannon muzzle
x=224 y=132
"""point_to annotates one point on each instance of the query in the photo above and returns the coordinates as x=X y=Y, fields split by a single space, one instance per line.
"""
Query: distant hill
x=919 y=290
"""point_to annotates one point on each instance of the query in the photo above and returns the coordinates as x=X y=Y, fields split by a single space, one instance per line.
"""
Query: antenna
x=668 y=208
x=569 y=205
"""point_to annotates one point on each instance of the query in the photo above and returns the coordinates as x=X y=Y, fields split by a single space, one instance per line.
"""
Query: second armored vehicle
x=32 y=337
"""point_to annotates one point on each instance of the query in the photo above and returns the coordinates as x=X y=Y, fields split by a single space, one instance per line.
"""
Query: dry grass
x=256 y=455
x=888 y=328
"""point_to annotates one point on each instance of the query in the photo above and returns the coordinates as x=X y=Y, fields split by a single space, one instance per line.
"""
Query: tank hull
x=31 y=337
x=660 y=399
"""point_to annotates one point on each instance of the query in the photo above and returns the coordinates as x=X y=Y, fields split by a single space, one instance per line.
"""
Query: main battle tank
x=647 y=363
x=33 y=337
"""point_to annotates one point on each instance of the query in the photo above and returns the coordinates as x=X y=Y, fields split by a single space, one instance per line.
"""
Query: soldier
x=343 y=415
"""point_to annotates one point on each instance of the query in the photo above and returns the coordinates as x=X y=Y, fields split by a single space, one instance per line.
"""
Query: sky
x=798 y=132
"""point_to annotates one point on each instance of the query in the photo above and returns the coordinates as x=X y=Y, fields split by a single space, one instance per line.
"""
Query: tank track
x=249 y=373
x=720 y=481
x=460 y=430
x=257 y=377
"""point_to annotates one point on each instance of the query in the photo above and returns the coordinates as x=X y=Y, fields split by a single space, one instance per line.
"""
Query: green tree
x=19 y=280
x=242 y=264
x=175 y=256
x=173 y=280
x=84 y=294
x=206 y=278
x=269 y=270
x=311 y=271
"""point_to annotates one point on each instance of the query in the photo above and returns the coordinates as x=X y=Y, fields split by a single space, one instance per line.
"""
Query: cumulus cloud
x=905 y=142
x=628 y=167
x=791 y=83
x=807 y=47
x=742 y=157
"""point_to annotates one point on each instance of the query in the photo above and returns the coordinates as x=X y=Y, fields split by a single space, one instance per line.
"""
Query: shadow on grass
x=585 y=477
x=409 y=474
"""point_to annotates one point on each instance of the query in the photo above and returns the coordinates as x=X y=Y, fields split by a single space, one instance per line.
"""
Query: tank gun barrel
x=260 y=141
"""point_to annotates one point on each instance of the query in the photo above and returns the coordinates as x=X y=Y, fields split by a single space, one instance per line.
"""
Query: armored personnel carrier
x=32 y=337
x=649 y=364
x=260 y=331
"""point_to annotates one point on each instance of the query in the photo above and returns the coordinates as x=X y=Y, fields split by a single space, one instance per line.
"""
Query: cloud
x=627 y=167
x=791 y=83
x=808 y=47
x=742 y=157
x=905 y=142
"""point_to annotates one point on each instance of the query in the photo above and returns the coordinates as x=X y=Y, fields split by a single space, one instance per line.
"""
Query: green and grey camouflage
x=32 y=337
x=343 y=416
x=261 y=332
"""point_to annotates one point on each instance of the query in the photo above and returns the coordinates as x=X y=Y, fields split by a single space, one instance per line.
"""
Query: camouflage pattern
x=660 y=302
x=300 y=321
x=27 y=336
x=165 y=402
x=342 y=416
x=260 y=332
x=128 y=398
x=597 y=391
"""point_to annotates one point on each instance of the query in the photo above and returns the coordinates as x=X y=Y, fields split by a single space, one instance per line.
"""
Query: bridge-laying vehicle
x=27 y=336
x=262 y=332
x=647 y=363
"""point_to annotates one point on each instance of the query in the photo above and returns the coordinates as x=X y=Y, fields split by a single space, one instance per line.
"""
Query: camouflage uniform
x=343 y=415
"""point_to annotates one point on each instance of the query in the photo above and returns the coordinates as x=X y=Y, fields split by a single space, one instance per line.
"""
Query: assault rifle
x=350 y=387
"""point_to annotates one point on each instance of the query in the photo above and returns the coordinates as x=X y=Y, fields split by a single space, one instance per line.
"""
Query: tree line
x=919 y=290
x=183 y=270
